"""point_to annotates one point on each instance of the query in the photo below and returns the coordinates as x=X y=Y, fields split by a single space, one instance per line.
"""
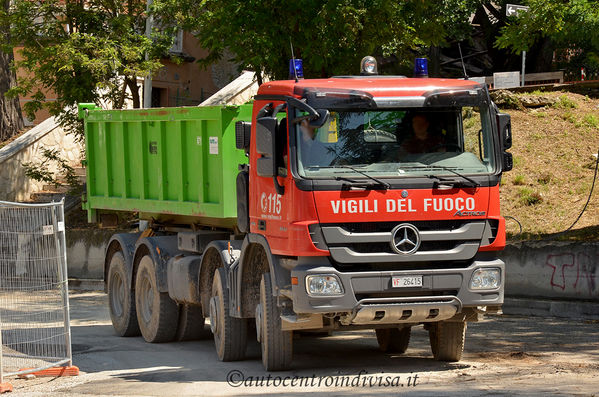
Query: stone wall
x=537 y=270
x=85 y=252
x=552 y=269
x=14 y=184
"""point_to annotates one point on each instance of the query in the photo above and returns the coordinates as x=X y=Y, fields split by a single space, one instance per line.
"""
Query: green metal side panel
x=166 y=161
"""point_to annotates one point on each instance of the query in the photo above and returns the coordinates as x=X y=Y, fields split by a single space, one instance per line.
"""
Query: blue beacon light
x=298 y=70
x=421 y=67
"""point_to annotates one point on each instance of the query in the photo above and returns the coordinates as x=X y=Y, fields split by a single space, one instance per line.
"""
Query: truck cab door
x=269 y=176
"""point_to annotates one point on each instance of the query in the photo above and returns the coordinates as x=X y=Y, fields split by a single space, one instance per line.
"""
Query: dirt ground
x=553 y=148
x=504 y=355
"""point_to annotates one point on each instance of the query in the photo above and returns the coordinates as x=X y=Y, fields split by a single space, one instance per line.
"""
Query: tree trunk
x=11 y=120
x=132 y=83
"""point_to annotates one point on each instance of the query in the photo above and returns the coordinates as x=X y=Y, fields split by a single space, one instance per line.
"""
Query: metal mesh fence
x=34 y=308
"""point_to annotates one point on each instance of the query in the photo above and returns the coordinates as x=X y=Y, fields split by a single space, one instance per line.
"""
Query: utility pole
x=147 y=102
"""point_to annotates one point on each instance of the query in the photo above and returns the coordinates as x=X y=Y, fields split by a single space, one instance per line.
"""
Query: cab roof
x=377 y=86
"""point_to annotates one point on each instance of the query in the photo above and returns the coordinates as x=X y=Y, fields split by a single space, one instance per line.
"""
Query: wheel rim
x=117 y=295
x=262 y=325
x=259 y=322
x=147 y=297
x=214 y=320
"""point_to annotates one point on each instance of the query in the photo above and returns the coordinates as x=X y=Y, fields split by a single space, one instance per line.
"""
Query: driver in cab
x=422 y=140
x=313 y=151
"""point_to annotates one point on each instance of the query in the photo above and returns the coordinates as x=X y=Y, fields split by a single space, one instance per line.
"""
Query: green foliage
x=564 y=102
x=569 y=24
x=519 y=180
x=568 y=116
x=591 y=121
x=517 y=161
x=331 y=36
x=81 y=51
x=529 y=196
x=41 y=172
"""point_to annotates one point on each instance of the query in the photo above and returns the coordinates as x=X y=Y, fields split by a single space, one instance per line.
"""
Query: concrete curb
x=82 y=284
x=552 y=308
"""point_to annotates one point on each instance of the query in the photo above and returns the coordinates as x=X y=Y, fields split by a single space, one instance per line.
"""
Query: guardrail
x=530 y=78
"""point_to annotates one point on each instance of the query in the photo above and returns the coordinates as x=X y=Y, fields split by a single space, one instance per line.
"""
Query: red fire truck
x=366 y=202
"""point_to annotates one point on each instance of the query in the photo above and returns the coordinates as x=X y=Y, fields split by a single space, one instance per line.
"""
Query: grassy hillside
x=553 y=166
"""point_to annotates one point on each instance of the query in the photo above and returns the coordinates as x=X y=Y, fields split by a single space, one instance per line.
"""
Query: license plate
x=406 y=281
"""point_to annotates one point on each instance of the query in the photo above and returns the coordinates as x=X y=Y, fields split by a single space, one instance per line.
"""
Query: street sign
x=510 y=10
x=513 y=9
x=506 y=80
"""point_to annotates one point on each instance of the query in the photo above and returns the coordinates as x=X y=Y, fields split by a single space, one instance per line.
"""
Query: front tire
x=230 y=333
x=393 y=340
x=121 y=298
x=447 y=340
x=157 y=313
x=276 y=344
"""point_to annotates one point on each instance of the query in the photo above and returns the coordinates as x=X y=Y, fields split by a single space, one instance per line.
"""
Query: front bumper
x=369 y=298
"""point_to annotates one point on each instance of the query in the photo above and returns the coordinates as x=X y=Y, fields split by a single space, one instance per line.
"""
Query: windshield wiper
x=350 y=184
x=378 y=181
x=471 y=181
x=442 y=183
x=353 y=182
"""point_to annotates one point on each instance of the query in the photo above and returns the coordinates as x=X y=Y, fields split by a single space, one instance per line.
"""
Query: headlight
x=323 y=285
x=486 y=279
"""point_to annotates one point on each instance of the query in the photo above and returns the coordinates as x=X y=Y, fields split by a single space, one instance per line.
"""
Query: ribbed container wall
x=164 y=162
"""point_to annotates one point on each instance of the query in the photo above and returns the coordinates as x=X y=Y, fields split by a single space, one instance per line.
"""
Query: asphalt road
x=505 y=355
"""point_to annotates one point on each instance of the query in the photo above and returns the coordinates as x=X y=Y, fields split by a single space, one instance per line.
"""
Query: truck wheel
x=393 y=340
x=230 y=333
x=447 y=340
x=157 y=313
x=121 y=298
x=191 y=324
x=276 y=344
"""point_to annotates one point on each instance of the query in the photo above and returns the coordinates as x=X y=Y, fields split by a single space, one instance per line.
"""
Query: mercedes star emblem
x=405 y=239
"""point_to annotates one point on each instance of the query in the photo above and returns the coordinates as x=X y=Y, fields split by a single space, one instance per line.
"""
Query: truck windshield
x=397 y=142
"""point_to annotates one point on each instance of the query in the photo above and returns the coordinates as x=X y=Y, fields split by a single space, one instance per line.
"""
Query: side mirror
x=508 y=162
x=266 y=146
x=504 y=125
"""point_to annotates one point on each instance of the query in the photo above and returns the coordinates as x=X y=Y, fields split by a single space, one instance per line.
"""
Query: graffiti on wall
x=574 y=272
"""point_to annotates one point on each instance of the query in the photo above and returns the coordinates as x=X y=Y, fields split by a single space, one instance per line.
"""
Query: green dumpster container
x=172 y=165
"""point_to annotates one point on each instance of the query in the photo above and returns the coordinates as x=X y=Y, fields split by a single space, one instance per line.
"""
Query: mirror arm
x=265 y=111
x=280 y=189
x=302 y=106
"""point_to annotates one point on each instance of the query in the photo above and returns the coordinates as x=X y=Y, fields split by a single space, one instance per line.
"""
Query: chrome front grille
x=371 y=242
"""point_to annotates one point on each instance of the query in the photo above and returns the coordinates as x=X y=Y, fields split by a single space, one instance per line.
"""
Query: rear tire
x=447 y=340
x=393 y=340
x=192 y=325
x=121 y=298
x=230 y=333
x=276 y=344
x=157 y=313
